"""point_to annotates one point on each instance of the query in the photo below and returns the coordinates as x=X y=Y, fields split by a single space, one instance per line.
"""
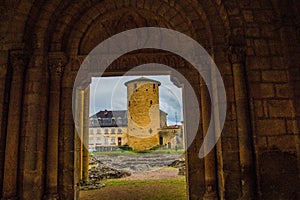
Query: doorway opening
x=136 y=138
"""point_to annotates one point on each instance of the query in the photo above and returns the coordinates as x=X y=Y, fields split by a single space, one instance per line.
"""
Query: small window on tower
x=128 y=103
x=150 y=102
x=153 y=86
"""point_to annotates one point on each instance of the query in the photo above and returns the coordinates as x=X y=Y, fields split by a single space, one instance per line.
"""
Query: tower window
x=128 y=103
x=153 y=86
x=150 y=102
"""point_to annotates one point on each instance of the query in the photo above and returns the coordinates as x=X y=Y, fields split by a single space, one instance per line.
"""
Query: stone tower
x=143 y=113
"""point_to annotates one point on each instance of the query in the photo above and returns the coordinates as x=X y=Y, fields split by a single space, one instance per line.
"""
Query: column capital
x=57 y=62
x=236 y=48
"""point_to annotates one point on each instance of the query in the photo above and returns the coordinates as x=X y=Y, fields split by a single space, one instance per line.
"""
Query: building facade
x=108 y=130
x=141 y=127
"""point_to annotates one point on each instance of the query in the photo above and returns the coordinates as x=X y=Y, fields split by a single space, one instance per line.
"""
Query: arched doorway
x=203 y=173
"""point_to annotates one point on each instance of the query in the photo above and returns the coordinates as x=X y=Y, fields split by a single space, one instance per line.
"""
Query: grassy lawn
x=118 y=189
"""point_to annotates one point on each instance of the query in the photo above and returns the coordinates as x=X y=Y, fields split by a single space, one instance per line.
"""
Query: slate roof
x=108 y=118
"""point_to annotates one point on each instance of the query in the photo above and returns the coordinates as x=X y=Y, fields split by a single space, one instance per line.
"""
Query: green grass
x=118 y=189
x=118 y=182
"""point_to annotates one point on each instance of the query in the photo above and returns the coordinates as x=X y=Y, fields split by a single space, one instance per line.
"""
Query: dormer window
x=105 y=112
x=120 y=121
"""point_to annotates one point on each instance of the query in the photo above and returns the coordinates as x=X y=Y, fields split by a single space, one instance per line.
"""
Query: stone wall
x=255 y=45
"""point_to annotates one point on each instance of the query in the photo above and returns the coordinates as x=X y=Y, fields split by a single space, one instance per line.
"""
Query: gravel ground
x=150 y=191
x=158 y=173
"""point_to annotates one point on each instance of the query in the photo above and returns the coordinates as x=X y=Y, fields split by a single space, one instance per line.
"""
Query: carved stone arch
x=76 y=36
x=195 y=20
x=66 y=18
x=110 y=24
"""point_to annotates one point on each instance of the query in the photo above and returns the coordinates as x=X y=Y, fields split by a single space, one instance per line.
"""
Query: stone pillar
x=5 y=75
x=67 y=187
x=33 y=134
x=210 y=159
x=56 y=65
x=85 y=149
x=237 y=55
x=79 y=129
x=18 y=64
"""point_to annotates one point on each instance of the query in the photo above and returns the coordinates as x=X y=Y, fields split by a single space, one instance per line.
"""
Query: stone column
x=79 y=129
x=5 y=75
x=56 y=65
x=18 y=64
x=33 y=134
x=210 y=159
x=67 y=186
x=237 y=55
x=85 y=149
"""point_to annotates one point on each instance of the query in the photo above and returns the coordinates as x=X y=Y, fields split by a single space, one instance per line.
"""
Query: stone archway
x=67 y=43
x=40 y=56
x=127 y=22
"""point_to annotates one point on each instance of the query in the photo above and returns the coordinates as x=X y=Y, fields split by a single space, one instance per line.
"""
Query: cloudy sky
x=110 y=93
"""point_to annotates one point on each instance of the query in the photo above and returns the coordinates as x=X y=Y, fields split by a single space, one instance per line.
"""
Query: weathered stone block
x=291 y=126
x=254 y=62
x=283 y=91
x=282 y=142
x=280 y=108
x=270 y=127
x=274 y=76
x=254 y=76
x=261 y=90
